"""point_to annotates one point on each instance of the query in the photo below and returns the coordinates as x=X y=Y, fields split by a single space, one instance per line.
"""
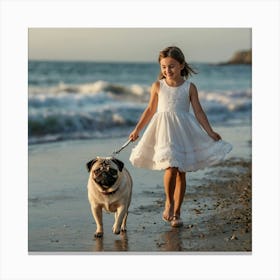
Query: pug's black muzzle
x=105 y=176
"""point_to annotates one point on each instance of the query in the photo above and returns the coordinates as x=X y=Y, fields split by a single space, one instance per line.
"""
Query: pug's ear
x=90 y=164
x=119 y=163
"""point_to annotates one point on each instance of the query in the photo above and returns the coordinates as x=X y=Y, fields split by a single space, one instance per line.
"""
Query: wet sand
x=216 y=211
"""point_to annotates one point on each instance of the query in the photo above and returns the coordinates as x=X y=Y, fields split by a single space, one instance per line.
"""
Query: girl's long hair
x=177 y=54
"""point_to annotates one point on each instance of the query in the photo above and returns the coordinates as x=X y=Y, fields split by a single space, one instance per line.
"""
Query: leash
x=122 y=147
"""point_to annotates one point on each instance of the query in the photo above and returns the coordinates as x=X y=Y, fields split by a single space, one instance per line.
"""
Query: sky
x=135 y=44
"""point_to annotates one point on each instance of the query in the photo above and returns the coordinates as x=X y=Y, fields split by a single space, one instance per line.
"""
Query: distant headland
x=240 y=57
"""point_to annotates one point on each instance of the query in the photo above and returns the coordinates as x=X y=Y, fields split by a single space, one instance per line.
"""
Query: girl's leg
x=179 y=192
x=169 y=187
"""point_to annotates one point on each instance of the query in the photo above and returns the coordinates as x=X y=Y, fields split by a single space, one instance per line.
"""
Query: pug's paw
x=98 y=234
x=123 y=229
x=116 y=230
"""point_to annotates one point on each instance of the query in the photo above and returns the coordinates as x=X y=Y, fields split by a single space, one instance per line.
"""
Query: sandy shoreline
x=216 y=210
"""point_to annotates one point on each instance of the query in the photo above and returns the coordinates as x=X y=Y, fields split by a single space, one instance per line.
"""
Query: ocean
x=92 y=100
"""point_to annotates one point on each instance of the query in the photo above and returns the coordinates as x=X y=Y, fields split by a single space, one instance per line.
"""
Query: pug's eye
x=97 y=171
x=113 y=172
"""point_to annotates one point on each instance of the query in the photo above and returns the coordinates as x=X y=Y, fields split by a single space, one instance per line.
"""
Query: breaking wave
x=103 y=109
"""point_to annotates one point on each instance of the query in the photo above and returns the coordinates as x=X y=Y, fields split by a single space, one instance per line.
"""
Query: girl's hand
x=134 y=135
x=215 y=136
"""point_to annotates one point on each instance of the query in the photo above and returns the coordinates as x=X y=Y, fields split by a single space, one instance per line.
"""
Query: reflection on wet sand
x=171 y=240
x=119 y=244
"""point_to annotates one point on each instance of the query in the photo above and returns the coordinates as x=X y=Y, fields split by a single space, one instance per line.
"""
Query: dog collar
x=109 y=193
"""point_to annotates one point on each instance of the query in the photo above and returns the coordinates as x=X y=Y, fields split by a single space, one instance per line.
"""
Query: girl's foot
x=176 y=221
x=166 y=215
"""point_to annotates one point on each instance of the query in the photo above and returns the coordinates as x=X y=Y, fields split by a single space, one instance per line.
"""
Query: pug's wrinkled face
x=105 y=171
x=104 y=174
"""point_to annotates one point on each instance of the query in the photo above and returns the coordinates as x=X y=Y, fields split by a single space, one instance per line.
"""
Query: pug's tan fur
x=114 y=198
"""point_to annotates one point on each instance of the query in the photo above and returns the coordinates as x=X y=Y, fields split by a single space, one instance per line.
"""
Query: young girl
x=174 y=140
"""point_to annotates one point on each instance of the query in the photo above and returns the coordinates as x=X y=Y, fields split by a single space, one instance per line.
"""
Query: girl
x=174 y=140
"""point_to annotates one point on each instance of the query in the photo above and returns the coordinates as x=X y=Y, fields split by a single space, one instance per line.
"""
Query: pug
x=109 y=188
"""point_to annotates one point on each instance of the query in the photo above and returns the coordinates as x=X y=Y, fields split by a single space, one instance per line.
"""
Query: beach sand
x=216 y=210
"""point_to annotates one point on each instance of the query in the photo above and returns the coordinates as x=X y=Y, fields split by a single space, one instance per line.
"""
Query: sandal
x=176 y=222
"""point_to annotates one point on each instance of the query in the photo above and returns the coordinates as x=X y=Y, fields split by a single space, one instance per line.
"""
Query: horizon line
x=112 y=61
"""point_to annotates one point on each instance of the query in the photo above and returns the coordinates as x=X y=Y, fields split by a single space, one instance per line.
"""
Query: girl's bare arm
x=148 y=113
x=200 y=114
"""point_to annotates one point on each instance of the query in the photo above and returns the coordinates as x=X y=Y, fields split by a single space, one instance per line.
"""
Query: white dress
x=174 y=137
